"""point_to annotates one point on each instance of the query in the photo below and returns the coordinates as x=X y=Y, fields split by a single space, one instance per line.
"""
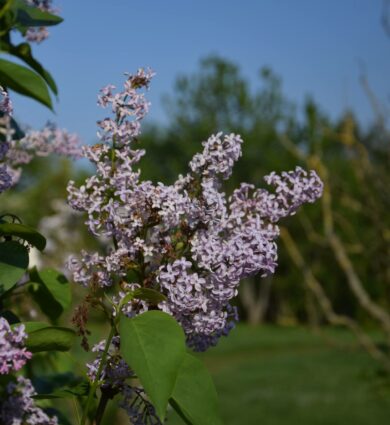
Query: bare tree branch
x=326 y=306
x=335 y=243
x=256 y=302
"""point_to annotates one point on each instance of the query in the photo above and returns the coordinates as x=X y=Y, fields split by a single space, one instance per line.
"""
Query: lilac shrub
x=188 y=240
x=182 y=249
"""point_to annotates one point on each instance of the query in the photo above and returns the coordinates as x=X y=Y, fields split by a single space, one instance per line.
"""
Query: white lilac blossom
x=187 y=240
x=39 y=34
x=13 y=354
x=18 y=407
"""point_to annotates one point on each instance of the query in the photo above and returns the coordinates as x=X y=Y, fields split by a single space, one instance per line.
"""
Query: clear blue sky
x=314 y=45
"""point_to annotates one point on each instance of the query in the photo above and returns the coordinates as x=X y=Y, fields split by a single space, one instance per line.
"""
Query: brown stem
x=101 y=408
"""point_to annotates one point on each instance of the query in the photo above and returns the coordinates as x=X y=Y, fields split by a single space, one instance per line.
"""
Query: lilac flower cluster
x=50 y=140
x=6 y=111
x=5 y=179
x=115 y=371
x=17 y=152
x=187 y=240
x=39 y=34
x=13 y=354
x=218 y=156
x=18 y=406
x=5 y=102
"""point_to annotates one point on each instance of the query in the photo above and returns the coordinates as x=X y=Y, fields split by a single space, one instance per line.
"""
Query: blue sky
x=314 y=45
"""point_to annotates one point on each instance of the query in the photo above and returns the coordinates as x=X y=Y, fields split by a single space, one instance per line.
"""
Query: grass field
x=278 y=376
x=289 y=376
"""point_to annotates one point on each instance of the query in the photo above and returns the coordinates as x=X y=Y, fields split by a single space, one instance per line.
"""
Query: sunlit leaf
x=148 y=294
x=23 y=51
x=153 y=345
x=51 y=291
x=30 y=16
x=24 y=81
x=194 y=396
x=26 y=233
x=53 y=338
x=13 y=264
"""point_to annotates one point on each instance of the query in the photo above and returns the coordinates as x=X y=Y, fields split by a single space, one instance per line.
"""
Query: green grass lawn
x=287 y=376
x=275 y=376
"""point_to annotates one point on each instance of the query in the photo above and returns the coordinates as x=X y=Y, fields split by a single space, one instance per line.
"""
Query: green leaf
x=50 y=382
x=51 y=338
x=127 y=298
x=31 y=16
x=34 y=326
x=79 y=390
x=150 y=295
x=194 y=396
x=13 y=264
x=10 y=316
x=51 y=290
x=24 y=81
x=63 y=419
x=153 y=344
x=26 y=233
x=23 y=51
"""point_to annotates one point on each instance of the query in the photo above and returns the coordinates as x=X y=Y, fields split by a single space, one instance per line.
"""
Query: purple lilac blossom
x=18 y=406
x=50 y=140
x=5 y=130
x=39 y=34
x=13 y=354
x=187 y=240
x=5 y=179
x=114 y=378
x=138 y=407
x=115 y=371
x=5 y=102
x=130 y=309
x=14 y=153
